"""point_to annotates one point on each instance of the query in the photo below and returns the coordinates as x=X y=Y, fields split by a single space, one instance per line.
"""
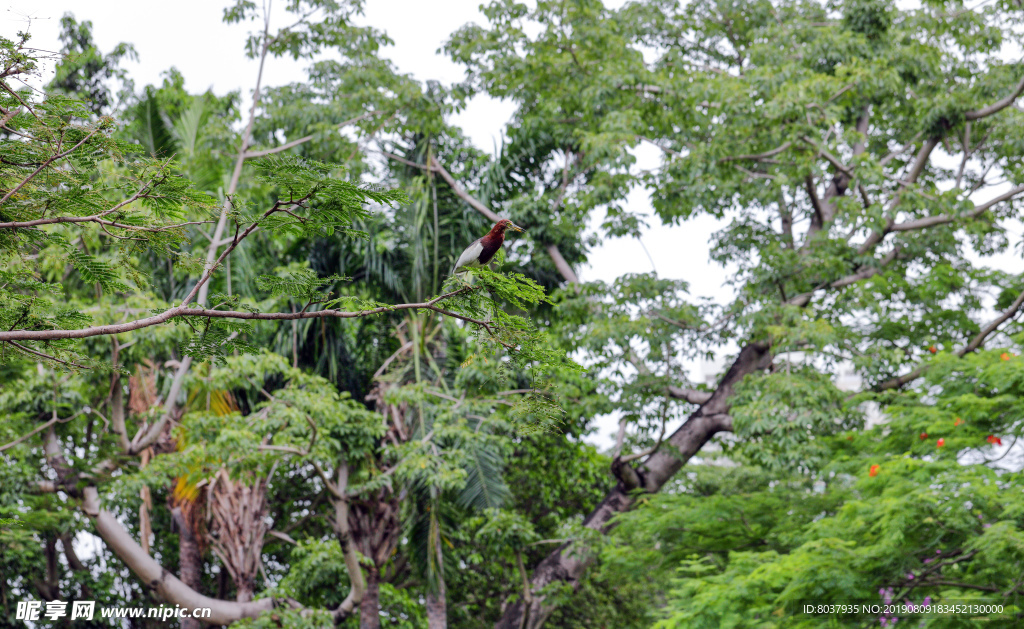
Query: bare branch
x=757 y=156
x=930 y=221
x=560 y=264
x=37 y=430
x=862 y=273
x=888 y=158
x=165 y=585
x=461 y=192
x=832 y=159
x=344 y=536
x=973 y=345
x=284 y=537
x=303 y=140
x=648 y=451
x=46 y=356
x=692 y=396
x=967 y=154
x=407 y=162
x=556 y=255
x=49 y=161
x=816 y=220
x=915 y=171
x=997 y=106
x=184 y=311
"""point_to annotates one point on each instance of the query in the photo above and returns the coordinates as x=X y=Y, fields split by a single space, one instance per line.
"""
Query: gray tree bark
x=437 y=609
x=369 y=608
x=564 y=565
x=190 y=561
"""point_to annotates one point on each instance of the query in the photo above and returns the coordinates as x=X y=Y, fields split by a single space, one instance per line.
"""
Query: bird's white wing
x=471 y=256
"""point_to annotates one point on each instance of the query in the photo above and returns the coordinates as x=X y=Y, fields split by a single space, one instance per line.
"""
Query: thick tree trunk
x=369 y=608
x=190 y=561
x=712 y=417
x=162 y=583
x=244 y=592
x=437 y=609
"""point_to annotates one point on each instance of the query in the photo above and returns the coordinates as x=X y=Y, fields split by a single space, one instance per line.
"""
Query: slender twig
x=49 y=161
x=37 y=430
x=997 y=106
x=757 y=156
x=46 y=356
x=303 y=140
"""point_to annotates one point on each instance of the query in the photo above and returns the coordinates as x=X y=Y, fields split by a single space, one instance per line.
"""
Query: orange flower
x=994 y=440
x=874 y=470
x=957 y=421
x=932 y=349
x=924 y=436
x=941 y=442
x=1004 y=356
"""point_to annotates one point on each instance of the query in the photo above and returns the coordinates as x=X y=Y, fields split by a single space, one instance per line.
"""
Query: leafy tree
x=861 y=160
x=82 y=201
x=85 y=73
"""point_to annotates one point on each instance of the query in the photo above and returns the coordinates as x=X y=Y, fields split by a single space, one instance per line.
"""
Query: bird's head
x=504 y=224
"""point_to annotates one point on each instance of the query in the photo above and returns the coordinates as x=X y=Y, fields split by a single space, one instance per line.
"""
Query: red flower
x=1004 y=356
x=994 y=439
x=932 y=349
x=874 y=470
x=941 y=442
x=957 y=421
x=924 y=436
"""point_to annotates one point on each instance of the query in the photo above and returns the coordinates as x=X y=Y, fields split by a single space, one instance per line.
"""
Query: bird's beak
x=516 y=227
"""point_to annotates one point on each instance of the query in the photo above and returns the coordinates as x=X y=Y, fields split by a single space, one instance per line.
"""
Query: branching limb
x=46 y=163
x=38 y=429
x=687 y=394
x=303 y=140
x=348 y=550
x=915 y=171
x=757 y=156
x=432 y=165
x=164 y=584
x=205 y=313
x=997 y=106
x=931 y=221
x=973 y=345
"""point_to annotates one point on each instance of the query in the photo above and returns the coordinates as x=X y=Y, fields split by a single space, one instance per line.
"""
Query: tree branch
x=46 y=163
x=692 y=396
x=344 y=537
x=37 y=430
x=756 y=156
x=556 y=255
x=915 y=171
x=166 y=586
x=974 y=344
x=931 y=221
x=303 y=140
x=997 y=106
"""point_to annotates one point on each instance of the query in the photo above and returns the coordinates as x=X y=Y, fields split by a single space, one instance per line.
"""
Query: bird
x=482 y=250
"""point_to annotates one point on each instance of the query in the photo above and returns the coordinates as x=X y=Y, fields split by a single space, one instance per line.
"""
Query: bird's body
x=481 y=251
